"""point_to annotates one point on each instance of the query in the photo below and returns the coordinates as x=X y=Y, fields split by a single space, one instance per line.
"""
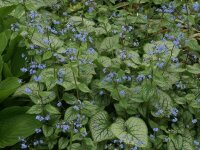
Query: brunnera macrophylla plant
x=100 y=75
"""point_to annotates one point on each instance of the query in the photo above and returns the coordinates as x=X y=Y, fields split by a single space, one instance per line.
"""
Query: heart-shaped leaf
x=133 y=131
x=100 y=127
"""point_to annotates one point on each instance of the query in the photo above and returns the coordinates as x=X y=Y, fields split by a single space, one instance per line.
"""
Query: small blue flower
x=47 y=117
x=90 y=51
x=59 y=104
x=101 y=93
x=35 y=143
x=65 y=128
x=24 y=69
x=28 y=90
x=76 y=107
x=160 y=65
x=84 y=134
x=20 y=81
x=196 y=143
x=194 y=121
x=140 y=78
x=90 y=9
x=196 y=6
x=38 y=130
x=75 y=130
x=56 y=22
x=46 y=41
x=155 y=129
x=174 y=111
x=41 y=141
x=33 y=14
x=122 y=93
x=198 y=100
x=174 y=120
x=37 y=78
x=166 y=139
x=152 y=136
x=23 y=146
x=121 y=145
x=39 y=118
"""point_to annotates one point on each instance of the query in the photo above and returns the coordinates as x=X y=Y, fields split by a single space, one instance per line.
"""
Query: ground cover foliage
x=99 y=74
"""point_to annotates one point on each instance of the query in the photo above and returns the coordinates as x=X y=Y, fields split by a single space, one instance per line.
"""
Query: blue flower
x=56 y=22
x=90 y=9
x=37 y=78
x=155 y=129
x=101 y=93
x=91 y=51
x=76 y=107
x=160 y=65
x=196 y=6
x=38 y=130
x=196 y=143
x=65 y=128
x=28 y=90
x=152 y=136
x=140 y=78
x=174 y=120
x=47 y=117
x=122 y=93
x=174 y=111
x=46 y=41
x=24 y=69
x=59 y=104
x=35 y=143
x=198 y=100
x=23 y=146
x=194 y=121
x=33 y=14
x=20 y=81
x=39 y=118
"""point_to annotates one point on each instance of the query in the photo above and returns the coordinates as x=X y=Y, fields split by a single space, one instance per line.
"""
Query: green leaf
x=36 y=4
x=47 y=96
x=62 y=143
x=67 y=85
x=83 y=88
x=76 y=20
x=70 y=114
x=88 y=144
x=51 y=109
x=1 y=66
x=47 y=55
x=181 y=142
x=75 y=146
x=47 y=130
x=6 y=10
x=104 y=61
x=163 y=100
x=35 y=109
x=14 y=123
x=138 y=1
x=38 y=39
x=42 y=97
x=7 y=87
x=109 y=43
x=33 y=86
x=193 y=44
x=100 y=127
x=133 y=131
x=90 y=109
x=195 y=69
x=3 y=42
x=49 y=77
